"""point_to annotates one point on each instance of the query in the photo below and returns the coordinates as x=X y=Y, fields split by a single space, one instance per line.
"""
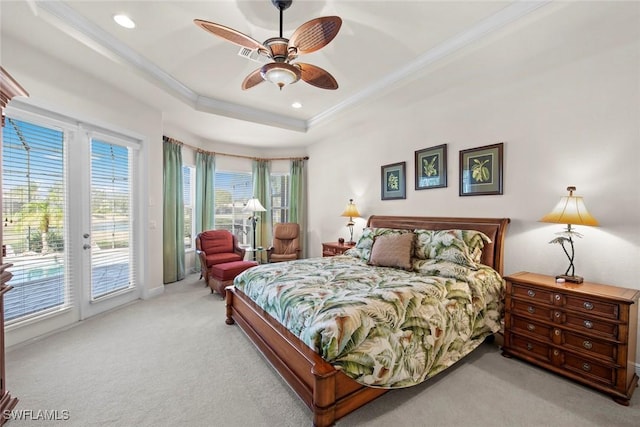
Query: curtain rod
x=240 y=156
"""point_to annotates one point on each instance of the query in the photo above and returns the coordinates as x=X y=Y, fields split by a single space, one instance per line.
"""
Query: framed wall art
x=431 y=167
x=393 y=181
x=481 y=170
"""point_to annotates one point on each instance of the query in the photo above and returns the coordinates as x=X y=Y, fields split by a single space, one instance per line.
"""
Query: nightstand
x=586 y=332
x=335 y=248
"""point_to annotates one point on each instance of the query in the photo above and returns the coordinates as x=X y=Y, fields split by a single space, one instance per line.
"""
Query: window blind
x=112 y=254
x=232 y=191
x=34 y=195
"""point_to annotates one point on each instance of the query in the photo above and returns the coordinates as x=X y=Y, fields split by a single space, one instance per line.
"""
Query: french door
x=68 y=222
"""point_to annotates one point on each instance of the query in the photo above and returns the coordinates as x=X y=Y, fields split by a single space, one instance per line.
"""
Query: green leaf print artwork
x=393 y=181
x=429 y=168
x=480 y=172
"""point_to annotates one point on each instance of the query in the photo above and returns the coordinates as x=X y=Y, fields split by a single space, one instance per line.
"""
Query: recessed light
x=124 y=21
x=296 y=105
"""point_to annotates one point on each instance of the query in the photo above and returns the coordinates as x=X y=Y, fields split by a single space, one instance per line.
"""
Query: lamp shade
x=351 y=211
x=254 y=205
x=570 y=210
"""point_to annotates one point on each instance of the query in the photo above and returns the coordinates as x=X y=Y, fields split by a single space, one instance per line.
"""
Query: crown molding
x=68 y=20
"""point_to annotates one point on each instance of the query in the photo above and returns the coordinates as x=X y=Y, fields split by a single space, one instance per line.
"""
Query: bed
x=328 y=389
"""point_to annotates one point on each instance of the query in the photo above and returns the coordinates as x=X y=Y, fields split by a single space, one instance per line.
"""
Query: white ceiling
x=194 y=77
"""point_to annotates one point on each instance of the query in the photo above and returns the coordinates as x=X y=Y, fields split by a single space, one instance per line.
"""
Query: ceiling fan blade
x=252 y=79
x=315 y=34
x=317 y=77
x=229 y=34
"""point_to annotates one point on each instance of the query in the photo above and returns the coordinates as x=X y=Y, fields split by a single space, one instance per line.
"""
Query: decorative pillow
x=365 y=242
x=475 y=240
x=392 y=250
x=433 y=267
x=463 y=247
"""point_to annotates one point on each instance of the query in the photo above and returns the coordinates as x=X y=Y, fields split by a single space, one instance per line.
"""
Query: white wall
x=565 y=117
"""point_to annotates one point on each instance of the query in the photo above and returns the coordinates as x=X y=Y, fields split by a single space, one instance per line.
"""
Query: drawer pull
x=557 y=297
x=557 y=331
x=557 y=314
x=556 y=352
x=531 y=293
x=529 y=346
x=586 y=367
x=531 y=309
x=531 y=327
x=588 y=305
x=588 y=324
x=587 y=344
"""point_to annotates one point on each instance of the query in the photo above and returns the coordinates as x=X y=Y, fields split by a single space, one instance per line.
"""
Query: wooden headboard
x=495 y=228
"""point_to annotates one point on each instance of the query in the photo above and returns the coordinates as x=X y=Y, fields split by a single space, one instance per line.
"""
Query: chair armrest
x=240 y=251
x=203 y=256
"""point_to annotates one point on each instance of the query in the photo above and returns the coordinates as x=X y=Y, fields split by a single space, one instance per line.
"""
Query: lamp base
x=572 y=279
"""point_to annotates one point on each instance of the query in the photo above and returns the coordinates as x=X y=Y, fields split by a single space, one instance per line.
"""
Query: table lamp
x=351 y=211
x=570 y=210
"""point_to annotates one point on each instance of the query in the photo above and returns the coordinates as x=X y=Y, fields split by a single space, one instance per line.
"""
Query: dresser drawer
x=590 y=325
x=530 y=347
x=592 y=307
x=531 y=311
x=528 y=326
x=590 y=346
x=531 y=294
x=587 y=368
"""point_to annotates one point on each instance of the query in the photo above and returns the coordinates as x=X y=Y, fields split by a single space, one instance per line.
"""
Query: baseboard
x=152 y=293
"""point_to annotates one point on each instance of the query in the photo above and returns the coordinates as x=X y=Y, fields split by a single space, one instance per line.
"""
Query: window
x=188 y=196
x=232 y=191
x=111 y=219
x=34 y=216
x=280 y=197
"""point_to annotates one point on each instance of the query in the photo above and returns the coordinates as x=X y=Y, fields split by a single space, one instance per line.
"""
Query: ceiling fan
x=309 y=37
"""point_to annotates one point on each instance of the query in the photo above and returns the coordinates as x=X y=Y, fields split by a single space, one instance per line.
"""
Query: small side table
x=256 y=255
x=335 y=248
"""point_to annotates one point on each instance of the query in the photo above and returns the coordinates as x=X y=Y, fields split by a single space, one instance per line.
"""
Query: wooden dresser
x=9 y=88
x=586 y=332
x=335 y=248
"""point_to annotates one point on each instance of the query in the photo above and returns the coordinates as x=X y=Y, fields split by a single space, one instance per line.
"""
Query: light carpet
x=172 y=361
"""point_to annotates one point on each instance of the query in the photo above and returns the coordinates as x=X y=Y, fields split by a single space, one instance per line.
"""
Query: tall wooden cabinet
x=8 y=89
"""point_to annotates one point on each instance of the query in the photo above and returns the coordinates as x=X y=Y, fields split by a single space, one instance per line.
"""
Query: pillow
x=433 y=267
x=463 y=247
x=392 y=250
x=369 y=234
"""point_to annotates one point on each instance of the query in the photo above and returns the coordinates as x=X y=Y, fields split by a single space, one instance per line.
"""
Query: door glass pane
x=111 y=267
x=33 y=205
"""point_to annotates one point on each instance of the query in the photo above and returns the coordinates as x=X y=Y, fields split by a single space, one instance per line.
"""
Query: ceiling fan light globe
x=281 y=74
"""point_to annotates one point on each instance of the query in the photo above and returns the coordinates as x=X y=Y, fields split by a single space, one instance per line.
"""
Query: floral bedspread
x=383 y=327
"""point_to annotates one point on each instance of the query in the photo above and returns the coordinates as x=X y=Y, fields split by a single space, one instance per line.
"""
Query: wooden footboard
x=329 y=393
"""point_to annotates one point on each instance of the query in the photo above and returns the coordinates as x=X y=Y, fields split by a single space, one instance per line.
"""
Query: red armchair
x=216 y=247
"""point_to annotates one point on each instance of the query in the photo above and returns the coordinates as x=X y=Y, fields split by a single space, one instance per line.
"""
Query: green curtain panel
x=205 y=204
x=262 y=191
x=205 y=184
x=173 y=214
x=298 y=200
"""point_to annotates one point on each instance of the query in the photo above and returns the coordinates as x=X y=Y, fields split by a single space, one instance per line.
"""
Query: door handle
x=86 y=235
x=86 y=246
